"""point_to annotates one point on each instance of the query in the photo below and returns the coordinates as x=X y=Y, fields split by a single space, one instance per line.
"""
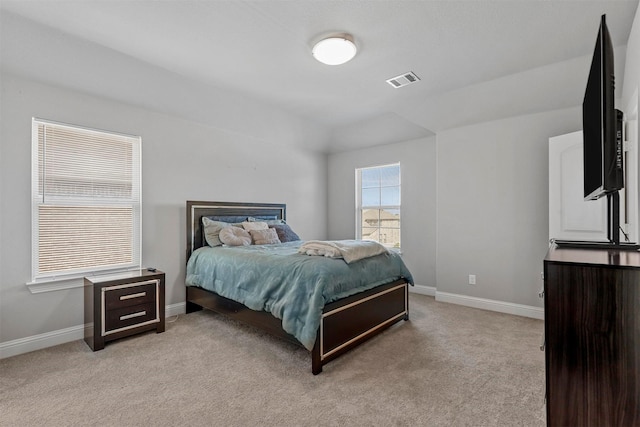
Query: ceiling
x=477 y=60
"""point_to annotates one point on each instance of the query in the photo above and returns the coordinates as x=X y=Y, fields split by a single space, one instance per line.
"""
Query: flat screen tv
x=603 y=166
x=602 y=143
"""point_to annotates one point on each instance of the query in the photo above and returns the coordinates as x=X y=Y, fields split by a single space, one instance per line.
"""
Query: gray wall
x=493 y=205
x=418 y=219
x=181 y=160
x=475 y=201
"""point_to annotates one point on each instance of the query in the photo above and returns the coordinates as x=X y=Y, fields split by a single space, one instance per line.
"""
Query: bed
x=343 y=321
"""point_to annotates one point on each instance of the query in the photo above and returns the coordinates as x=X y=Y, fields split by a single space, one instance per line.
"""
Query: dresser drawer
x=126 y=296
x=130 y=316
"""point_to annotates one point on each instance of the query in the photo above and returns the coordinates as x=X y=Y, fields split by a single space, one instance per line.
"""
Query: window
x=378 y=204
x=86 y=204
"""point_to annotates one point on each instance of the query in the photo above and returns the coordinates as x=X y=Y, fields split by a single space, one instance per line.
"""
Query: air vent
x=403 y=79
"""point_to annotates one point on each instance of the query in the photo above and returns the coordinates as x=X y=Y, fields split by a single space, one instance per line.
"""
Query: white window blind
x=86 y=200
x=378 y=204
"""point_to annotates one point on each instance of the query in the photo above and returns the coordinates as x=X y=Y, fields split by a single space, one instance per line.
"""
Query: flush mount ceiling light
x=335 y=50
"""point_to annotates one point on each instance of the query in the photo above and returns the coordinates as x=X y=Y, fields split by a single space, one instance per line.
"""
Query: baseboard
x=40 y=341
x=175 y=309
x=492 y=305
x=423 y=290
x=61 y=336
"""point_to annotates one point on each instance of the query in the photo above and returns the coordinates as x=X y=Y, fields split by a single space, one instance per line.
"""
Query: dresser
x=592 y=337
x=120 y=305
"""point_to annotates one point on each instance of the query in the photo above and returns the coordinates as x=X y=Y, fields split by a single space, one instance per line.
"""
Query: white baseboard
x=175 y=309
x=423 y=290
x=40 y=341
x=492 y=305
x=61 y=336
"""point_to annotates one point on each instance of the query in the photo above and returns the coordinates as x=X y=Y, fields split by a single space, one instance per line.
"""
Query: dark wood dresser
x=592 y=337
x=119 y=305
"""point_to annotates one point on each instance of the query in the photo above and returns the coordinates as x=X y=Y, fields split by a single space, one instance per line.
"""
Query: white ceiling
x=477 y=60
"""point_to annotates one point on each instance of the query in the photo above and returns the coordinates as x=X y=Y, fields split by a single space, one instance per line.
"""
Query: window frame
x=38 y=200
x=360 y=207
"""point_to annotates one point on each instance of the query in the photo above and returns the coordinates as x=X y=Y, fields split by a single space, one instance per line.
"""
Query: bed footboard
x=353 y=320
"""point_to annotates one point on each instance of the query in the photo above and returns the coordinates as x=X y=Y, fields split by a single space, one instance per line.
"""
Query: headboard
x=196 y=210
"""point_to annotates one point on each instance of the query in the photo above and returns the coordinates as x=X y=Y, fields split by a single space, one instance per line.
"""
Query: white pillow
x=235 y=236
x=212 y=230
x=258 y=225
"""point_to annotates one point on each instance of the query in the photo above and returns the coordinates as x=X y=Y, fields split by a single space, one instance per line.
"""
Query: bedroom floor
x=449 y=365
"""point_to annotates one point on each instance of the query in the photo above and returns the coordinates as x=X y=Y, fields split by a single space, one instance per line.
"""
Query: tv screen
x=602 y=140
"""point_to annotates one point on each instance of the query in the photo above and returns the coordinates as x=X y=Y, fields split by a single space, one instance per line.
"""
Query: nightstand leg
x=98 y=343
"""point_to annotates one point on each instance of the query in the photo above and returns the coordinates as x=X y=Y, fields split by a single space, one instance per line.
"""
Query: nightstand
x=123 y=304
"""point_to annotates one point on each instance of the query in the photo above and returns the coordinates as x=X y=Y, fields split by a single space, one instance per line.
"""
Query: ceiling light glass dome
x=335 y=50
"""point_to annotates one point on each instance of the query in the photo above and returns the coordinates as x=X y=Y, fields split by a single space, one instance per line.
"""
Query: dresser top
x=603 y=257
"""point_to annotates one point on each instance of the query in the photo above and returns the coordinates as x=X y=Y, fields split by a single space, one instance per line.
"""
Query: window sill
x=52 y=285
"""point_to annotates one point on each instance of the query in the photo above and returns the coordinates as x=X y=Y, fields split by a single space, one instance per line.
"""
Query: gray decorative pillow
x=212 y=231
x=268 y=220
x=264 y=237
x=285 y=233
x=235 y=236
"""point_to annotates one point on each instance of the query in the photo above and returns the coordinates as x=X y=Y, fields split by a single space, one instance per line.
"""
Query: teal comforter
x=291 y=286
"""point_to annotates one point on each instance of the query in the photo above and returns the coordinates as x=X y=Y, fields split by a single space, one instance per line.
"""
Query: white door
x=629 y=219
x=570 y=217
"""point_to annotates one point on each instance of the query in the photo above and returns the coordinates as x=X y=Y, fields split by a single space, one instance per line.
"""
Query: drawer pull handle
x=132 y=315
x=138 y=295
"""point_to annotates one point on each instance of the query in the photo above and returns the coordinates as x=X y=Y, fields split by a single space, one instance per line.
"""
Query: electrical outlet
x=472 y=279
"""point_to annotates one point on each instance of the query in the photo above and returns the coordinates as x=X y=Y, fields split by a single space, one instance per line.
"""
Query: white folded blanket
x=349 y=250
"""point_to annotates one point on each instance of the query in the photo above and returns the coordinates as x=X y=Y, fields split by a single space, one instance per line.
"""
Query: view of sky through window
x=381 y=186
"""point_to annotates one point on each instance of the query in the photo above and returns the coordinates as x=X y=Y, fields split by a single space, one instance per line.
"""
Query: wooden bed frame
x=345 y=323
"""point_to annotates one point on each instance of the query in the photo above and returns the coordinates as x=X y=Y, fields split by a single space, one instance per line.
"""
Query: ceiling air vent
x=403 y=79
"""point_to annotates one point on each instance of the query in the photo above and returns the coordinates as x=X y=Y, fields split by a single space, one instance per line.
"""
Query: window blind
x=87 y=200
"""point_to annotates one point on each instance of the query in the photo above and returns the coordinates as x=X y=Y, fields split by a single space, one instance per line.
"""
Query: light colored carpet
x=448 y=366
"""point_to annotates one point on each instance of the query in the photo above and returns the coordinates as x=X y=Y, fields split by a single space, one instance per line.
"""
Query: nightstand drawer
x=120 y=297
x=136 y=315
x=122 y=304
